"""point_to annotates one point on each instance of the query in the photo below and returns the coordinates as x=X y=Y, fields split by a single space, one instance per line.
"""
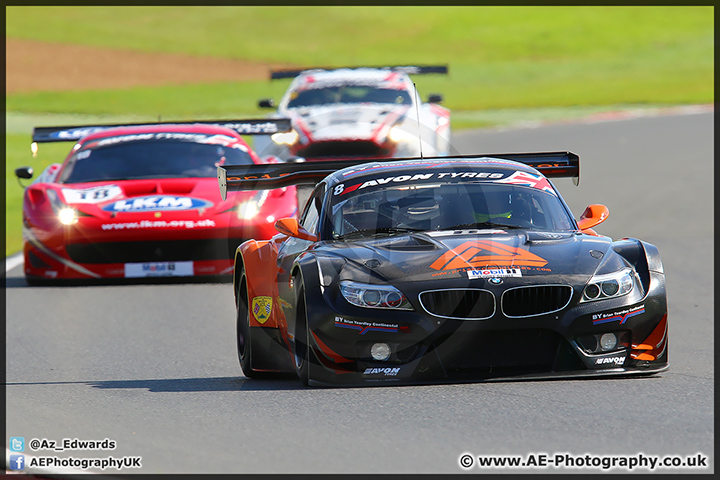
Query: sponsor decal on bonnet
x=92 y=194
x=156 y=203
x=479 y=253
x=494 y=273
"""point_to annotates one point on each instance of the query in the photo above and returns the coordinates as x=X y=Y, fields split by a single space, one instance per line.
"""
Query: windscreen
x=348 y=94
x=152 y=158
x=443 y=206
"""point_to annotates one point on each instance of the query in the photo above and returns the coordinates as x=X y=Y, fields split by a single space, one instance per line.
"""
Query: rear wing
x=277 y=175
x=408 y=69
x=255 y=126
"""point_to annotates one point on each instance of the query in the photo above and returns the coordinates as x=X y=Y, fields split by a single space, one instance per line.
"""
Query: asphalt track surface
x=154 y=367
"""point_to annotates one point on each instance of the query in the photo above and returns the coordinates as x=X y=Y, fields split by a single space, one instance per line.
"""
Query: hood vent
x=409 y=243
x=180 y=186
x=137 y=189
x=177 y=187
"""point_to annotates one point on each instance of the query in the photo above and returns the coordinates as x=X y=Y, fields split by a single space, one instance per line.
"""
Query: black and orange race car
x=444 y=269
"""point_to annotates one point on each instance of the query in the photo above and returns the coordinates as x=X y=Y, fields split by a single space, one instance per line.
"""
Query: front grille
x=471 y=304
x=535 y=300
x=343 y=149
x=153 y=251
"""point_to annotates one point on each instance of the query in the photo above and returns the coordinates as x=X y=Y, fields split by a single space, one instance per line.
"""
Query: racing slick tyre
x=259 y=350
x=302 y=344
x=244 y=339
x=38 y=282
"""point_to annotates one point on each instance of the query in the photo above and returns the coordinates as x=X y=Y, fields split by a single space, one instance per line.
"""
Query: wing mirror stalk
x=291 y=228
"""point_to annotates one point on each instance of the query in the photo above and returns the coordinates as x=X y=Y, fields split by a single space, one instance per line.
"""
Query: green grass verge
x=359 y=34
x=499 y=57
x=18 y=153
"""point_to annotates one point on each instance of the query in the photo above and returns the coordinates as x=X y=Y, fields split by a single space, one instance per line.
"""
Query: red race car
x=141 y=200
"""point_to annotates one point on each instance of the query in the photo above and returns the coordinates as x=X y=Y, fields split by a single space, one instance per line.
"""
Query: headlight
x=251 y=207
x=374 y=296
x=248 y=210
x=398 y=134
x=611 y=285
x=67 y=216
x=285 y=138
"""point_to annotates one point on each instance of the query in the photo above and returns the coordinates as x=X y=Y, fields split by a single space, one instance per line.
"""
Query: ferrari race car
x=361 y=112
x=445 y=269
x=141 y=200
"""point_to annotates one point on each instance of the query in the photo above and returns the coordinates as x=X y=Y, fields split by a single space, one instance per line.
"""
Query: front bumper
x=79 y=255
x=430 y=349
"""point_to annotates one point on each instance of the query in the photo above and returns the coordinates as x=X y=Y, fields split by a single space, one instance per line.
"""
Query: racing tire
x=302 y=344
x=38 y=282
x=244 y=339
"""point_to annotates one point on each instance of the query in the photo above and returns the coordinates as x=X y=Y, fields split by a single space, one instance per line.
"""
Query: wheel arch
x=258 y=260
x=305 y=272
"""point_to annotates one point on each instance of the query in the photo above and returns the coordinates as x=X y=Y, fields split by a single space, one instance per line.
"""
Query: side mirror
x=266 y=103
x=593 y=215
x=24 y=172
x=291 y=228
x=435 y=98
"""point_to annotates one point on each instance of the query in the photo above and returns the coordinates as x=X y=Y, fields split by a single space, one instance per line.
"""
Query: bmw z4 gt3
x=446 y=269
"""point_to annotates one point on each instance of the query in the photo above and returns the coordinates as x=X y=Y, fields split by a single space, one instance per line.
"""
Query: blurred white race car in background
x=348 y=112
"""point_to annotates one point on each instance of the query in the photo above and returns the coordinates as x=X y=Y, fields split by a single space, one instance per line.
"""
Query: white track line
x=13 y=261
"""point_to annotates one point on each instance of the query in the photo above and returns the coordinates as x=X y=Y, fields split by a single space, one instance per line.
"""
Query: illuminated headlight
x=285 y=138
x=611 y=285
x=374 y=296
x=398 y=134
x=67 y=216
x=248 y=210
